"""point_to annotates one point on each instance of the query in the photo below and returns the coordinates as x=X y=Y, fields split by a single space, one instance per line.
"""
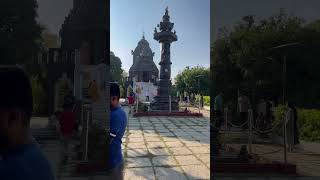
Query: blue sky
x=130 y=18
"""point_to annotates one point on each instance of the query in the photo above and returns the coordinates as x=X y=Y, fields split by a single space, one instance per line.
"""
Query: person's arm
x=115 y=126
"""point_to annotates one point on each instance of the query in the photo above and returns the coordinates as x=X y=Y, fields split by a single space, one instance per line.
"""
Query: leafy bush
x=142 y=107
x=308 y=122
x=279 y=114
x=206 y=100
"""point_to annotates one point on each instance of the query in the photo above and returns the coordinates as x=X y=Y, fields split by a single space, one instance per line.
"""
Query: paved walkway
x=167 y=148
x=154 y=148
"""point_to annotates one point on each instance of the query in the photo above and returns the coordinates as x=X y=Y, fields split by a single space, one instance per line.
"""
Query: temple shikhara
x=143 y=68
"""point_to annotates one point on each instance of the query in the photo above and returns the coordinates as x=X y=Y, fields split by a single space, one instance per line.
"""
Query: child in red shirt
x=67 y=124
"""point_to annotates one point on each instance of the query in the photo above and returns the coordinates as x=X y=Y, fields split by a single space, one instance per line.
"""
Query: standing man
x=118 y=123
x=243 y=107
x=20 y=158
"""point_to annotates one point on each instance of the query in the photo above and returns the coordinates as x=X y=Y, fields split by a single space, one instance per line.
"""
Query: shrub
x=308 y=122
x=206 y=100
x=279 y=115
x=142 y=107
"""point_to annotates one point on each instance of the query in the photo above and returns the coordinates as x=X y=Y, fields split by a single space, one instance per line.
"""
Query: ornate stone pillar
x=165 y=37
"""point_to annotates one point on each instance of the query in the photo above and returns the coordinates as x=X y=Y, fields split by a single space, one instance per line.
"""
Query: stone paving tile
x=164 y=161
x=163 y=130
x=139 y=174
x=204 y=158
x=199 y=150
x=197 y=171
x=138 y=162
x=174 y=144
x=205 y=141
x=137 y=152
x=187 y=160
x=191 y=143
x=135 y=131
x=181 y=133
x=149 y=131
x=146 y=124
x=152 y=139
x=180 y=151
x=168 y=134
x=155 y=144
x=184 y=127
x=137 y=145
x=169 y=139
x=148 y=128
x=135 y=128
x=135 y=135
x=151 y=135
x=159 y=151
x=175 y=173
x=136 y=139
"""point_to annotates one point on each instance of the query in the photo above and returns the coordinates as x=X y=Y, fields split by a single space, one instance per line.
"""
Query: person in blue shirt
x=20 y=158
x=118 y=123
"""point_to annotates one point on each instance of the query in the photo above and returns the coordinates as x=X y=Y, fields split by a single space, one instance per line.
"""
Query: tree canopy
x=20 y=33
x=187 y=80
x=243 y=59
x=115 y=67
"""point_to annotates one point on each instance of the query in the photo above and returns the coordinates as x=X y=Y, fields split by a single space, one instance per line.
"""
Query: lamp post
x=284 y=68
x=284 y=80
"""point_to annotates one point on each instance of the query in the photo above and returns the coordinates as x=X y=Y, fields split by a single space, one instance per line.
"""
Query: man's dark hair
x=15 y=91
x=114 y=90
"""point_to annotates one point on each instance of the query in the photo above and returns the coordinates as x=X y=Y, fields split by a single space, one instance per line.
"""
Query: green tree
x=20 y=34
x=49 y=39
x=187 y=80
x=243 y=59
x=115 y=67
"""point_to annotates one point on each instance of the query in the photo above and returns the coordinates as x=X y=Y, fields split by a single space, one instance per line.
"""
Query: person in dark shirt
x=20 y=158
x=118 y=123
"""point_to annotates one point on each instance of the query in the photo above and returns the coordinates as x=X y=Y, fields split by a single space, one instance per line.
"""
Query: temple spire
x=167 y=11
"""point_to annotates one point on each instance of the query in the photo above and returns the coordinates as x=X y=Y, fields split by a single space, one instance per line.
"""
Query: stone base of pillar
x=161 y=103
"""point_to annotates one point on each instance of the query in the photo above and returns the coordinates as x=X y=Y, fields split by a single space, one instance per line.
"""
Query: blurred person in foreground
x=118 y=123
x=20 y=157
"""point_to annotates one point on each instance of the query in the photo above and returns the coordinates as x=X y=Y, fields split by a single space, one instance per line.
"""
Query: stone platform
x=161 y=103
